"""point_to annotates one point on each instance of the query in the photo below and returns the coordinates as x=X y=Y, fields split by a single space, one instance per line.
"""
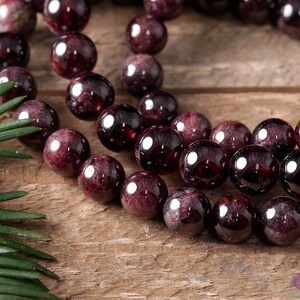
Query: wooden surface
x=216 y=66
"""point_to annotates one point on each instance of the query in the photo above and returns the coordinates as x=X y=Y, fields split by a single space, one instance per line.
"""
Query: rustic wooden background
x=217 y=66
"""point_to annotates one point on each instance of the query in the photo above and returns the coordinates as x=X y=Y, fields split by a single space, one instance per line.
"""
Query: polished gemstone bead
x=14 y=50
x=88 y=95
x=101 y=178
x=255 y=11
x=234 y=218
x=25 y=83
x=44 y=116
x=297 y=134
x=254 y=170
x=192 y=127
x=119 y=126
x=158 y=149
x=231 y=135
x=212 y=7
x=187 y=211
x=72 y=54
x=158 y=108
x=39 y=5
x=145 y=34
x=65 y=151
x=143 y=194
x=204 y=165
x=66 y=15
x=280 y=220
x=276 y=135
x=141 y=73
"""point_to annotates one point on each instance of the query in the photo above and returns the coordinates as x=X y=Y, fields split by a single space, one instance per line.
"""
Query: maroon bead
x=44 y=116
x=164 y=9
x=72 y=54
x=255 y=11
x=143 y=194
x=39 y=5
x=276 y=135
x=66 y=15
x=297 y=134
x=14 y=50
x=212 y=7
x=158 y=108
x=290 y=173
x=119 y=126
x=145 y=34
x=187 y=211
x=254 y=170
x=158 y=149
x=234 y=218
x=25 y=83
x=17 y=16
x=191 y=127
x=65 y=151
x=101 y=178
x=280 y=220
x=141 y=73
x=88 y=95
x=231 y=135
x=204 y=165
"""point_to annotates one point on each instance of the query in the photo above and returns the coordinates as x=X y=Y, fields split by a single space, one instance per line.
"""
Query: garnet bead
x=141 y=73
x=143 y=194
x=234 y=218
x=66 y=15
x=204 y=165
x=254 y=170
x=212 y=7
x=101 y=178
x=88 y=95
x=280 y=220
x=72 y=54
x=44 y=116
x=255 y=11
x=65 y=151
x=187 y=211
x=297 y=134
x=158 y=149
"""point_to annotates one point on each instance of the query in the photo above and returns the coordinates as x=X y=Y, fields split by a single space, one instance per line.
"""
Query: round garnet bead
x=255 y=11
x=158 y=149
x=254 y=170
x=66 y=15
x=141 y=73
x=101 y=178
x=44 y=116
x=234 y=218
x=187 y=211
x=65 y=151
x=38 y=5
x=88 y=95
x=204 y=165
x=212 y=7
x=72 y=54
x=297 y=134
x=143 y=194
x=158 y=108
x=231 y=135
x=280 y=220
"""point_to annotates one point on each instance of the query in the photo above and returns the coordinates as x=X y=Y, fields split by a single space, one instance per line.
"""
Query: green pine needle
x=8 y=230
x=13 y=215
x=18 y=132
x=10 y=104
x=14 y=154
x=20 y=274
x=5 y=250
x=12 y=195
x=14 y=124
x=24 y=283
x=6 y=86
x=13 y=297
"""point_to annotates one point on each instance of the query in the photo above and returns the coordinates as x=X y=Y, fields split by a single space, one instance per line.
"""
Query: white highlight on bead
x=76 y=89
x=3 y=11
x=135 y=30
x=61 y=48
x=291 y=167
x=131 y=70
x=271 y=213
x=4 y=79
x=147 y=143
x=220 y=136
x=287 y=10
x=180 y=126
x=54 y=6
x=175 y=204
x=89 y=171
x=241 y=163
x=262 y=134
x=54 y=146
x=131 y=188
x=108 y=121
x=223 y=210
x=23 y=115
x=192 y=158
x=149 y=104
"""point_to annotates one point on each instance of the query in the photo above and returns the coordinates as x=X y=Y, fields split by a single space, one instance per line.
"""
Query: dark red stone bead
x=88 y=95
x=39 y=5
x=66 y=15
x=158 y=108
x=65 y=151
x=141 y=73
x=231 y=135
x=276 y=135
x=280 y=220
x=101 y=178
x=119 y=126
x=204 y=165
x=187 y=211
x=192 y=127
x=25 y=83
x=212 y=7
x=297 y=134
x=234 y=218
x=72 y=54
x=158 y=149
x=254 y=170
x=14 y=50
x=44 y=116
x=255 y=11
x=143 y=194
